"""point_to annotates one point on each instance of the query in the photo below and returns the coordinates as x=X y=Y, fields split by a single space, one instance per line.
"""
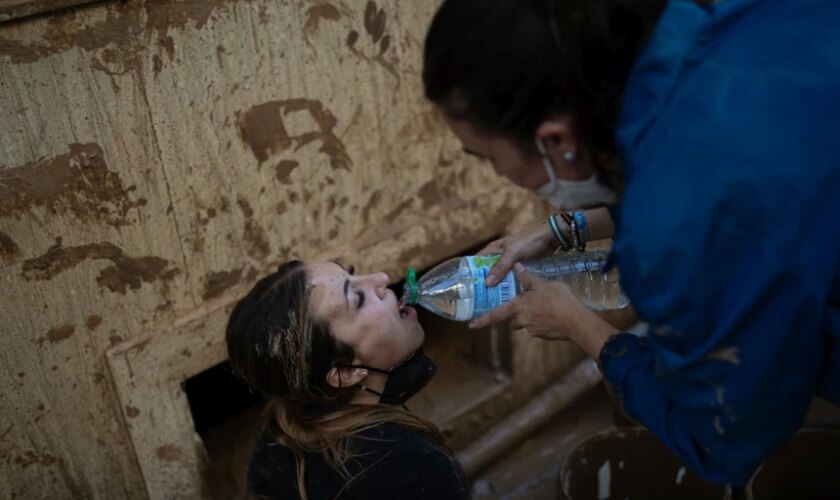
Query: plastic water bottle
x=455 y=289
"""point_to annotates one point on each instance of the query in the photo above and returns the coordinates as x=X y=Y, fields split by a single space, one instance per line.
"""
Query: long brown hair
x=276 y=346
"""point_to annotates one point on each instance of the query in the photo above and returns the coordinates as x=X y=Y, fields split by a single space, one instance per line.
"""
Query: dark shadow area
x=216 y=395
x=226 y=413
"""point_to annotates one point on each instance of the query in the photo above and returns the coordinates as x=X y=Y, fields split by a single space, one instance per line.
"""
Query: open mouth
x=406 y=311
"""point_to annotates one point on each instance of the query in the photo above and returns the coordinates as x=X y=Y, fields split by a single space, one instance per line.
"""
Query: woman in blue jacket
x=712 y=129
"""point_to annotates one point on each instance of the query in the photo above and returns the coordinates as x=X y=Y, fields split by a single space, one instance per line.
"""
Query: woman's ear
x=557 y=136
x=561 y=145
x=346 y=377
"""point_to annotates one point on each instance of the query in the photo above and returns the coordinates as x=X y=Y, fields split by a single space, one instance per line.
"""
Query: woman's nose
x=380 y=284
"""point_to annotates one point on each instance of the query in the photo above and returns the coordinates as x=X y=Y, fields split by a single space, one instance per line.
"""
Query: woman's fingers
x=501 y=267
x=493 y=247
x=525 y=279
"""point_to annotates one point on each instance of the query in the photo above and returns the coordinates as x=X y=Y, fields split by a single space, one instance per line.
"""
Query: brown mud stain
x=374 y=20
x=316 y=14
x=263 y=129
x=373 y=202
x=93 y=322
x=125 y=29
x=64 y=33
x=284 y=169
x=9 y=250
x=429 y=194
x=157 y=64
x=169 y=453
x=125 y=273
x=352 y=38
x=216 y=283
x=247 y=211
x=30 y=458
x=77 y=182
x=56 y=334
x=253 y=234
x=399 y=210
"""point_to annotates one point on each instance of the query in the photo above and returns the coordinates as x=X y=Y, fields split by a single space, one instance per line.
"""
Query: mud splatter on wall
x=123 y=273
x=262 y=128
x=77 y=182
x=56 y=334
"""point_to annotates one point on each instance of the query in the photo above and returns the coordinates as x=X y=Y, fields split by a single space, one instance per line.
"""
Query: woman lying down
x=337 y=357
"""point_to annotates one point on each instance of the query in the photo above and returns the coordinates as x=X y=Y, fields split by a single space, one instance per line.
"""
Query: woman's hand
x=550 y=311
x=534 y=241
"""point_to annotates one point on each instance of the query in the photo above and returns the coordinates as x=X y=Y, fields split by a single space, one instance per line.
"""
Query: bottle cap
x=410 y=290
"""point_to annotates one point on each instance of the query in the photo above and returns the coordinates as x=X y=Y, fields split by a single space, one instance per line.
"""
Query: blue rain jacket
x=728 y=233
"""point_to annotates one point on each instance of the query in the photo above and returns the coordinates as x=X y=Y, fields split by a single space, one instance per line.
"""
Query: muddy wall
x=157 y=155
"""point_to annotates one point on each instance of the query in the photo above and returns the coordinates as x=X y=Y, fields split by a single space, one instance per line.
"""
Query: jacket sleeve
x=727 y=242
x=732 y=361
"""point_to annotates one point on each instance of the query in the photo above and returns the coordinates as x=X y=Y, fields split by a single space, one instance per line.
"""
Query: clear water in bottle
x=455 y=289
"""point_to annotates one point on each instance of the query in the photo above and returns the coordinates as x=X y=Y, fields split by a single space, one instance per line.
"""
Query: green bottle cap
x=410 y=290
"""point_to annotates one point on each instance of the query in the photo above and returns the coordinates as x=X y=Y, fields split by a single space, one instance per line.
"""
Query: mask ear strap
x=546 y=161
x=375 y=393
x=368 y=389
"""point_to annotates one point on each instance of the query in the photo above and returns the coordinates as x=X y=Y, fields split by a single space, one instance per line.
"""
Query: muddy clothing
x=390 y=462
x=727 y=234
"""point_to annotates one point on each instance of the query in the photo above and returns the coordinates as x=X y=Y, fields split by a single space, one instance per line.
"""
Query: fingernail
x=472 y=325
x=490 y=278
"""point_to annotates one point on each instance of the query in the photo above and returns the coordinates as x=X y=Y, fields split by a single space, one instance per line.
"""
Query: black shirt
x=389 y=462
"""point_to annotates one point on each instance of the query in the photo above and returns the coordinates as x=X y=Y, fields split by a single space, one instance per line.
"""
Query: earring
x=569 y=156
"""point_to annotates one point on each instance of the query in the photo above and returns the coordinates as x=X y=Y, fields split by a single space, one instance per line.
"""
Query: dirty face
x=363 y=313
x=523 y=168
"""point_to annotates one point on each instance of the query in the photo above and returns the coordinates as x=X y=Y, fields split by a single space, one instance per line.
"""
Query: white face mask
x=572 y=195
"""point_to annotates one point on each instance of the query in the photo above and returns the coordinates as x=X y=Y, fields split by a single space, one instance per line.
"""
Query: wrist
x=591 y=332
x=559 y=230
x=570 y=230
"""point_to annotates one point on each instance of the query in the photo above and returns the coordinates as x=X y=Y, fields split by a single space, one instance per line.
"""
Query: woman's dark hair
x=507 y=65
x=276 y=345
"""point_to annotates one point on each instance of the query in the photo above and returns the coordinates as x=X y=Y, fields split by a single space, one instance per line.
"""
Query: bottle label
x=487 y=298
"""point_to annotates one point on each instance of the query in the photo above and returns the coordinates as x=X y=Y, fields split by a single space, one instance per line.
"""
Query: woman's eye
x=361 y=296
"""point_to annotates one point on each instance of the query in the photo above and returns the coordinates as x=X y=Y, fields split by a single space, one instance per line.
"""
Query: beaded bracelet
x=579 y=240
x=578 y=230
x=583 y=229
x=555 y=228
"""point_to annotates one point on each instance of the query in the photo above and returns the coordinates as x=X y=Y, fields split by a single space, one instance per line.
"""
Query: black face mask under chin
x=405 y=380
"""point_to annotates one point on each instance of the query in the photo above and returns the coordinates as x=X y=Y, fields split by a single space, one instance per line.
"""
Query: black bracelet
x=578 y=241
x=555 y=228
